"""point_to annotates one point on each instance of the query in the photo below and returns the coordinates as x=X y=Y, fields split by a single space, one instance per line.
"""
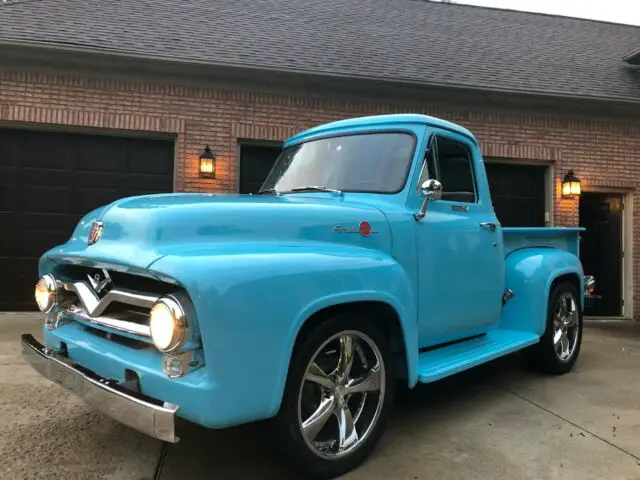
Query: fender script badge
x=363 y=228
x=95 y=233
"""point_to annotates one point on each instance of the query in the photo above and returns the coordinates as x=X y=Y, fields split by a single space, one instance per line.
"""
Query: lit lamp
x=571 y=185
x=208 y=163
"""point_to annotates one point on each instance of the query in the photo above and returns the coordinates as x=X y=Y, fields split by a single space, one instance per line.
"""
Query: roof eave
x=292 y=71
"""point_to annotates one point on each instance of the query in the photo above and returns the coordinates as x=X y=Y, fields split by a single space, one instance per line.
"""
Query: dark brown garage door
x=255 y=164
x=517 y=193
x=49 y=180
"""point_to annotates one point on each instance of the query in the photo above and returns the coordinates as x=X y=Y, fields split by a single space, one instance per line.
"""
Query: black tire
x=544 y=356
x=286 y=426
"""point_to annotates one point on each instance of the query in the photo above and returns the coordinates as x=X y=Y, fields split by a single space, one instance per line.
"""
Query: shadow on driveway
x=496 y=421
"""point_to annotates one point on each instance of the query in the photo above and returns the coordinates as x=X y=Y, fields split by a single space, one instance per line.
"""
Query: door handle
x=489 y=226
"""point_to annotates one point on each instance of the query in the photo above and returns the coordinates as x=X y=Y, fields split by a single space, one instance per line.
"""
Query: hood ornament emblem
x=95 y=233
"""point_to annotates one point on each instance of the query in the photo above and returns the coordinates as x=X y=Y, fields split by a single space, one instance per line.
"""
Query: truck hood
x=137 y=231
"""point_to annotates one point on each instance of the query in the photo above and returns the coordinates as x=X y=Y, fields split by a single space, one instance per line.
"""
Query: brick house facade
x=604 y=153
x=194 y=106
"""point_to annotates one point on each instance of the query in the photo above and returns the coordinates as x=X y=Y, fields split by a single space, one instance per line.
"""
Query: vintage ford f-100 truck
x=371 y=256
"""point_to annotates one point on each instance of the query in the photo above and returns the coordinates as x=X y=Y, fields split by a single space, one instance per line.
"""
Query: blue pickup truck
x=371 y=257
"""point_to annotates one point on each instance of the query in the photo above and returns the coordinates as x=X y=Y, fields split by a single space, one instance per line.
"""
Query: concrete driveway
x=497 y=421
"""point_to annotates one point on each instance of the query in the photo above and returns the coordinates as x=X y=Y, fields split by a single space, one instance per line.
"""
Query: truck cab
x=372 y=254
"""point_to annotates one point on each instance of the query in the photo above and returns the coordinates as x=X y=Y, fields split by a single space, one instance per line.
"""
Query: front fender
x=529 y=273
x=252 y=300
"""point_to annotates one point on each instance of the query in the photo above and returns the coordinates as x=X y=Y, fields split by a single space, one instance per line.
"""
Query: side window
x=455 y=171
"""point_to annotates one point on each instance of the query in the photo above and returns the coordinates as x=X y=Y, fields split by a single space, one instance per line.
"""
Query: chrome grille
x=98 y=302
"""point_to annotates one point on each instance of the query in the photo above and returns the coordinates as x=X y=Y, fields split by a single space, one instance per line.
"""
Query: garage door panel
x=7 y=158
x=150 y=158
x=95 y=156
x=48 y=152
x=97 y=179
x=40 y=198
x=85 y=199
x=32 y=243
x=7 y=198
x=44 y=177
x=8 y=237
x=147 y=182
x=517 y=193
x=138 y=191
x=6 y=175
x=44 y=221
x=53 y=180
x=256 y=162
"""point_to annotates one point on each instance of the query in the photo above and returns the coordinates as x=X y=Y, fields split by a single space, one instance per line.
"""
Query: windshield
x=372 y=162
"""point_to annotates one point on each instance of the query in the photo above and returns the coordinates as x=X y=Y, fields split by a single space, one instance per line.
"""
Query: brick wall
x=604 y=154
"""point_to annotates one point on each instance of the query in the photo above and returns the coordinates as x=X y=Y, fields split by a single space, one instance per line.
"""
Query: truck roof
x=390 y=120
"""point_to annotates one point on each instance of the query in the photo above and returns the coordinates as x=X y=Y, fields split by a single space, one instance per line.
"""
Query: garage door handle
x=489 y=226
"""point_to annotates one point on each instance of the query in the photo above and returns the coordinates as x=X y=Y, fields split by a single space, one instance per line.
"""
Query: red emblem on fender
x=95 y=233
x=365 y=229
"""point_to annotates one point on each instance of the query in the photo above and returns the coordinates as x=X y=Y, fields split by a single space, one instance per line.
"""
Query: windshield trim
x=407 y=131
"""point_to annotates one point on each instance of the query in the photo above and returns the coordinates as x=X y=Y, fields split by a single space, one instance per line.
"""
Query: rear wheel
x=338 y=396
x=560 y=345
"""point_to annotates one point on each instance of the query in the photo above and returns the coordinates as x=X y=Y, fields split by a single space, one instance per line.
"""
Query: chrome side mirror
x=431 y=190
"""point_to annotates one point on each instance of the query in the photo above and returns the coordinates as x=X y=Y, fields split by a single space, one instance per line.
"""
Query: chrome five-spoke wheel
x=565 y=326
x=559 y=346
x=342 y=394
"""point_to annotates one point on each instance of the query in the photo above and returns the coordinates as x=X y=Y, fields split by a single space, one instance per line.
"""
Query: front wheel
x=337 y=398
x=560 y=345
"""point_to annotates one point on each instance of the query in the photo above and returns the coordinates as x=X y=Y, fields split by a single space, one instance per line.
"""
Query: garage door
x=49 y=180
x=255 y=164
x=518 y=194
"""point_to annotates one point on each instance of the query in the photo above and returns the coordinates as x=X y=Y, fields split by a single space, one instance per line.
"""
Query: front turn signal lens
x=45 y=294
x=168 y=324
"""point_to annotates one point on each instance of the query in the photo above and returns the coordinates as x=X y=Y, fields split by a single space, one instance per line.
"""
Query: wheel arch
x=532 y=273
x=382 y=314
x=386 y=312
x=574 y=279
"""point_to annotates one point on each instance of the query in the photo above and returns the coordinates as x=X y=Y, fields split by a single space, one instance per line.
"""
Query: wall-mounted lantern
x=571 y=185
x=208 y=163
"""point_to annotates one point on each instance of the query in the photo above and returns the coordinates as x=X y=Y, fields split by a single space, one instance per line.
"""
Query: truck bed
x=562 y=238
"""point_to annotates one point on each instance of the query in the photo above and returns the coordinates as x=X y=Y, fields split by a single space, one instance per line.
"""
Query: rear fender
x=530 y=273
x=253 y=299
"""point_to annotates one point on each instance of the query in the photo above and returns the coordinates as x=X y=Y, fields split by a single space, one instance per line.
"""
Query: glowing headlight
x=168 y=324
x=46 y=293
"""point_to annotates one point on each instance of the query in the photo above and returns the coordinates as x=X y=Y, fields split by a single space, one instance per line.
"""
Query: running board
x=443 y=362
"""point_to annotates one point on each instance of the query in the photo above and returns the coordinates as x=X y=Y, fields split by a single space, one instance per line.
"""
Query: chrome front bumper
x=137 y=411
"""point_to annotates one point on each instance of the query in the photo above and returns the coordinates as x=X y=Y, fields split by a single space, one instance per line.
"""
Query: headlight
x=168 y=324
x=46 y=289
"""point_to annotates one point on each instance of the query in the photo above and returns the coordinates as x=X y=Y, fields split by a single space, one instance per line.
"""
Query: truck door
x=460 y=251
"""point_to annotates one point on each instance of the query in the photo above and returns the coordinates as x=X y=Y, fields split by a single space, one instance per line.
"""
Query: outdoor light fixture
x=208 y=163
x=571 y=185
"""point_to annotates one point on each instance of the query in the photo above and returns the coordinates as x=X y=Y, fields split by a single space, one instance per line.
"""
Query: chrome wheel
x=341 y=395
x=566 y=326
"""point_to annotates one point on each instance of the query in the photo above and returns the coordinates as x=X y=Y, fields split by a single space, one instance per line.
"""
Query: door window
x=450 y=162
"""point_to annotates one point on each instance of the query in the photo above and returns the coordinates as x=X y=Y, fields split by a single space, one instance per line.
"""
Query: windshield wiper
x=268 y=190
x=316 y=188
